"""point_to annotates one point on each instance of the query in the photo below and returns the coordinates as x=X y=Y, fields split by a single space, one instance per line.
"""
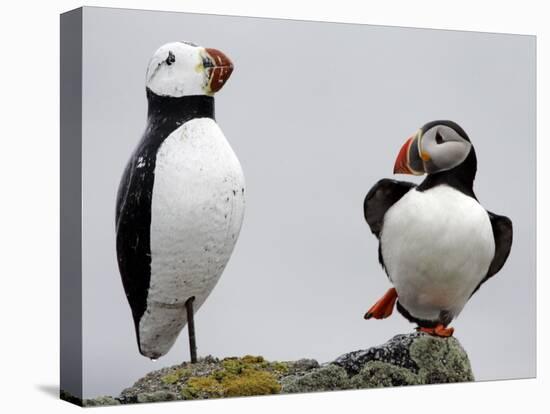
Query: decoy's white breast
x=196 y=215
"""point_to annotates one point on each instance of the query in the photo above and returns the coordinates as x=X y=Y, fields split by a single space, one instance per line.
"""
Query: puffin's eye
x=170 y=59
x=438 y=138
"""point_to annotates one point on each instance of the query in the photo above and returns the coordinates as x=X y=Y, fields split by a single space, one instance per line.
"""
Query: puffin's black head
x=437 y=147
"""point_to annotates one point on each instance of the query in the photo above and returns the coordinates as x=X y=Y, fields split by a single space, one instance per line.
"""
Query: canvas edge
x=71 y=206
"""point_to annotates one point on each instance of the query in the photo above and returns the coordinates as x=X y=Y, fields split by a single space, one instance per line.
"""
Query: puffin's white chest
x=437 y=246
x=196 y=215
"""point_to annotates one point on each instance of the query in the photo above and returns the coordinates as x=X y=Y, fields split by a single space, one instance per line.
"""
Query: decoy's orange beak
x=219 y=68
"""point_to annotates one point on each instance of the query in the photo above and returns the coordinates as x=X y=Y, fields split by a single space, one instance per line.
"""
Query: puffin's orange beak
x=219 y=69
x=410 y=160
x=402 y=161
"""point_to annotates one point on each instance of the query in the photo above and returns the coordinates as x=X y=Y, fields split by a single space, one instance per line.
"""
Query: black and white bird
x=180 y=202
x=437 y=244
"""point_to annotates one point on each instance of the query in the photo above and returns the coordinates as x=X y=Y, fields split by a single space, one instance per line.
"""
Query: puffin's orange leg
x=439 y=330
x=384 y=307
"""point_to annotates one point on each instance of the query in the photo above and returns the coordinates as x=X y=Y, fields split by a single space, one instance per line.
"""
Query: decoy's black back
x=133 y=209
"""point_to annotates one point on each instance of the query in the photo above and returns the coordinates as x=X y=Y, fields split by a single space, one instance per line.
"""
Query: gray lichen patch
x=440 y=360
x=377 y=374
x=412 y=359
x=326 y=378
x=156 y=396
x=100 y=401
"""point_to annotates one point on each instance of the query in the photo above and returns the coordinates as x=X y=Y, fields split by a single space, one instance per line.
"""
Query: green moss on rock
x=280 y=368
x=177 y=375
x=234 y=366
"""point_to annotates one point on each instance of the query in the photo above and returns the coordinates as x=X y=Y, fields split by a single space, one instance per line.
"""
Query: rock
x=161 y=395
x=441 y=360
x=410 y=359
x=89 y=402
x=211 y=377
x=302 y=365
x=378 y=374
x=100 y=401
x=415 y=358
x=326 y=378
x=168 y=380
x=395 y=352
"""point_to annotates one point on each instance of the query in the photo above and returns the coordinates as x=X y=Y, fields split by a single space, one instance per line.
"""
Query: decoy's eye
x=207 y=62
x=170 y=59
x=438 y=138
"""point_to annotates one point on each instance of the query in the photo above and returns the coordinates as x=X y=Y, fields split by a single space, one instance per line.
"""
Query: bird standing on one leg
x=437 y=244
x=180 y=202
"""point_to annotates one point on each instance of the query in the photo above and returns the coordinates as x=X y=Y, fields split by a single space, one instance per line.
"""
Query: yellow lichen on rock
x=202 y=387
x=251 y=382
x=246 y=376
x=252 y=359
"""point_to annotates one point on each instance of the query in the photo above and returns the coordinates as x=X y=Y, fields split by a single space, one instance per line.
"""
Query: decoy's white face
x=183 y=68
x=437 y=146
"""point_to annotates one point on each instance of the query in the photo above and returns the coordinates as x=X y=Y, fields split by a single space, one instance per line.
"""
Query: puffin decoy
x=180 y=202
x=437 y=244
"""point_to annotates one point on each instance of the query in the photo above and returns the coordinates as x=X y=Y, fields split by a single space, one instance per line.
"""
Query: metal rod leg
x=191 y=328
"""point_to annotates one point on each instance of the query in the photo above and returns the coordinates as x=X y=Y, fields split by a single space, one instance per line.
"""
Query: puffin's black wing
x=384 y=194
x=503 y=234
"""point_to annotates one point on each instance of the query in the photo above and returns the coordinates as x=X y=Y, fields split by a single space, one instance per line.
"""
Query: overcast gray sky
x=316 y=113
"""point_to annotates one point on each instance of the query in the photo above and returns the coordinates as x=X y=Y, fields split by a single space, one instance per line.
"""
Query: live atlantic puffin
x=180 y=201
x=437 y=244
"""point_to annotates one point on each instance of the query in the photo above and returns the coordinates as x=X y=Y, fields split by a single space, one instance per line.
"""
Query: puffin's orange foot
x=439 y=330
x=384 y=307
